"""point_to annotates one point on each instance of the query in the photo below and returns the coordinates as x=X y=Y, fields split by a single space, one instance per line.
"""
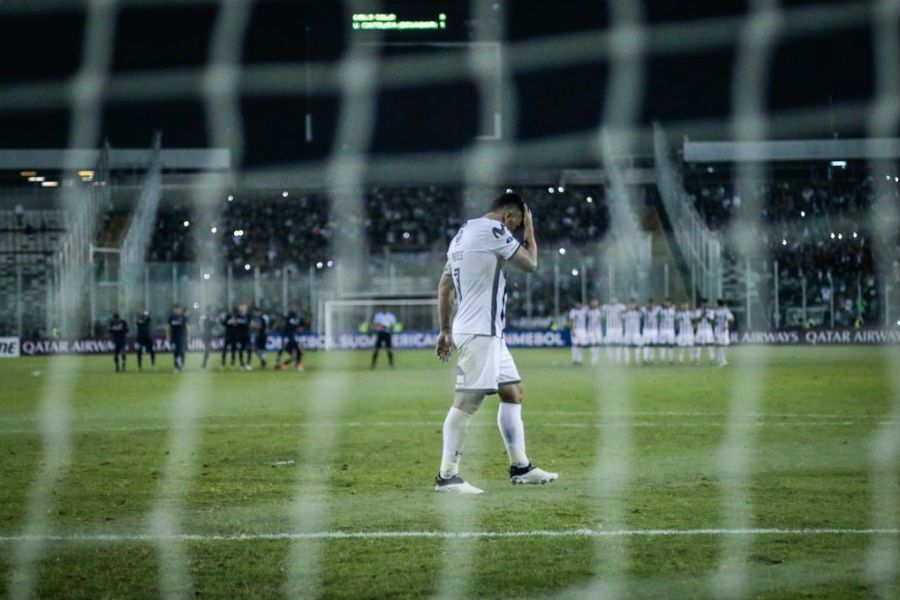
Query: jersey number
x=458 y=284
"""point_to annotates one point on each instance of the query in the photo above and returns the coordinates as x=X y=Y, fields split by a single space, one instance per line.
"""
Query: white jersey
x=724 y=318
x=579 y=318
x=704 y=334
x=612 y=317
x=651 y=318
x=475 y=261
x=667 y=319
x=632 y=324
x=704 y=318
x=384 y=321
x=685 y=328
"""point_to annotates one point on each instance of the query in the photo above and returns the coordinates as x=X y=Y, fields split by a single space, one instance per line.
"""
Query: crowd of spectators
x=275 y=230
x=815 y=227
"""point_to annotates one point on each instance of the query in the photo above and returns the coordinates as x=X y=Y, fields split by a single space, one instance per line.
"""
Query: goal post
x=343 y=317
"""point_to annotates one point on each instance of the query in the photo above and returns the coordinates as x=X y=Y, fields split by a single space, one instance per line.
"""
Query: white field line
x=437 y=424
x=371 y=535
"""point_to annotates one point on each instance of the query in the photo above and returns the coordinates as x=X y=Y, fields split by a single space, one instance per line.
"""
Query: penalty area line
x=368 y=535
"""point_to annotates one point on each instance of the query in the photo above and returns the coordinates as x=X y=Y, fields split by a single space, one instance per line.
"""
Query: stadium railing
x=701 y=247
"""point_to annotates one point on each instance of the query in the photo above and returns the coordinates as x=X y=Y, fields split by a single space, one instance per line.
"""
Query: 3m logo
x=9 y=347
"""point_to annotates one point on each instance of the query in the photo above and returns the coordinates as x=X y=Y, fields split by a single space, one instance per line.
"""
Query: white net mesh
x=338 y=201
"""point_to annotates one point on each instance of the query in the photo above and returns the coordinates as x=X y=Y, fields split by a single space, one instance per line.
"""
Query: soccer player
x=383 y=322
x=207 y=324
x=650 y=334
x=704 y=337
x=578 y=317
x=667 y=331
x=633 y=339
x=241 y=321
x=119 y=329
x=595 y=330
x=724 y=319
x=259 y=327
x=177 y=335
x=474 y=279
x=293 y=322
x=229 y=324
x=145 y=339
x=613 y=319
x=685 y=338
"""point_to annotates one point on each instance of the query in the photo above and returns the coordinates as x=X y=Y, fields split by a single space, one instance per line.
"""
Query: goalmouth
x=355 y=316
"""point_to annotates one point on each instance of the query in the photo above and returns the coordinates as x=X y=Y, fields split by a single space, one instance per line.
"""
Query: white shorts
x=634 y=339
x=579 y=337
x=666 y=337
x=595 y=338
x=483 y=364
x=613 y=338
x=650 y=337
x=686 y=339
x=704 y=336
x=723 y=339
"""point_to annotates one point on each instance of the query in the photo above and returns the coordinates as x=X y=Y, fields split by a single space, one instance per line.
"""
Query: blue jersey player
x=118 y=329
x=145 y=339
x=178 y=336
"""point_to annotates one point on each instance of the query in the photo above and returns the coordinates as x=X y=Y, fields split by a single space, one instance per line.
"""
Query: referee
x=383 y=322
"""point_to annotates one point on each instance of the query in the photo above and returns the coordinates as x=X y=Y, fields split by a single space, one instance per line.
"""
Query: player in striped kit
x=685 y=339
x=666 y=338
x=578 y=318
x=650 y=317
x=724 y=319
x=704 y=337
x=595 y=330
x=612 y=319
x=633 y=338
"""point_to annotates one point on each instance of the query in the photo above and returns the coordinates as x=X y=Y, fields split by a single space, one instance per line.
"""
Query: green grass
x=811 y=450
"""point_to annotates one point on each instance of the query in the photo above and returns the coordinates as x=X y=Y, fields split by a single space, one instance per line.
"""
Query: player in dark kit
x=178 y=335
x=230 y=326
x=145 y=339
x=293 y=322
x=207 y=325
x=118 y=328
x=260 y=329
x=241 y=320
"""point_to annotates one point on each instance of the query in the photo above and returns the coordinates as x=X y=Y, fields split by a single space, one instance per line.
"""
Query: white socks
x=454 y=438
x=509 y=420
x=576 y=354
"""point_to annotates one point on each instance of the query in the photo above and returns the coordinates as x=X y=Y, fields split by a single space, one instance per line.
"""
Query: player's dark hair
x=720 y=302
x=115 y=315
x=509 y=199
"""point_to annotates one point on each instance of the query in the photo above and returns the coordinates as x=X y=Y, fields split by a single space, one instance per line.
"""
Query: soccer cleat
x=454 y=484
x=300 y=368
x=530 y=475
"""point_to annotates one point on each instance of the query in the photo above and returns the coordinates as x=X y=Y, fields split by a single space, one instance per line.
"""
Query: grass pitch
x=256 y=446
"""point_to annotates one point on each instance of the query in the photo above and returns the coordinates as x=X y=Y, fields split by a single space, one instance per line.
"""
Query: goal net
x=349 y=323
x=339 y=88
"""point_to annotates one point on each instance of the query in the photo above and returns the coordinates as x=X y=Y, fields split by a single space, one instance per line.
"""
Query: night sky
x=807 y=71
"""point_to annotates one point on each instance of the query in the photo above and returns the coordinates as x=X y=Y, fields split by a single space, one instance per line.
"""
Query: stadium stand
x=816 y=230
